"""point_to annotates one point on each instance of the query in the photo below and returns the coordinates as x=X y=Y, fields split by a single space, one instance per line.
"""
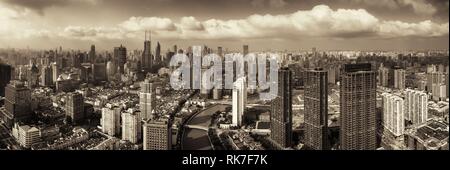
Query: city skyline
x=332 y=25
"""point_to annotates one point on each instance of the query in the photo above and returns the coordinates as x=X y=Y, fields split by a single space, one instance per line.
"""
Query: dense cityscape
x=122 y=98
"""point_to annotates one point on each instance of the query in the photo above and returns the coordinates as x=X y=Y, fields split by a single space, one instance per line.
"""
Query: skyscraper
x=120 y=55
x=158 y=134
x=92 y=55
x=433 y=78
x=111 y=120
x=357 y=107
x=399 y=79
x=158 y=53
x=131 y=126
x=17 y=102
x=146 y=99
x=383 y=76
x=147 y=59
x=281 y=111
x=316 y=109
x=245 y=50
x=55 y=73
x=416 y=103
x=46 y=76
x=393 y=114
x=75 y=107
x=239 y=101
x=5 y=77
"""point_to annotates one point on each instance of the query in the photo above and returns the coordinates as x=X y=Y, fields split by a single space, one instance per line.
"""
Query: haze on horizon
x=263 y=24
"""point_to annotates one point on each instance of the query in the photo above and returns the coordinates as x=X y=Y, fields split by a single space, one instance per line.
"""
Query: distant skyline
x=262 y=24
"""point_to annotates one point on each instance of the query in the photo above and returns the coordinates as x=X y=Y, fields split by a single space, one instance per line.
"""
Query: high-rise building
x=158 y=53
x=158 y=134
x=433 y=78
x=92 y=55
x=416 y=103
x=399 y=79
x=393 y=114
x=357 y=107
x=75 y=107
x=239 y=101
x=17 y=102
x=111 y=120
x=281 y=111
x=131 y=126
x=55 y=72
x=245 y=50
x=120 y=55
x=147 y=59
x=316 y=110
x=99 y=71
x=46 y=76
x=5 y=77
x=33 y=76
x=146 y=99
x=383 y=77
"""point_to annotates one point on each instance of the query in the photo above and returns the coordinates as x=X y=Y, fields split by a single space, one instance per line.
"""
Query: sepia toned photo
x=224 y=75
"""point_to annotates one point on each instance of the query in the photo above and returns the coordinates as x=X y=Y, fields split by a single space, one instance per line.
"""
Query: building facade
x=281 y=110
x=316 y=109
x=357 y=107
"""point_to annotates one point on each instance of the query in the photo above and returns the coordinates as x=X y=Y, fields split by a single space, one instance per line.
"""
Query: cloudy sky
x=263 y=24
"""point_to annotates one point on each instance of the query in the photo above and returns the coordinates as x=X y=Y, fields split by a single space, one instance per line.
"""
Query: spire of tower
x=145 y=37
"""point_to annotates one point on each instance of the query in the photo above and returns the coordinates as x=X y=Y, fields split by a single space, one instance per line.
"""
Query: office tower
x=316 y=110
x=46 y=76
x=281 y=111
x=158 y=134
x=99 y=71
x=245 y=50
x=92 y=55
x=393 y=114
x=131 y=126
x=75 y=107
x=33 y=76
x=239 y=100
x=332 y=75
x=433 y=78
x=17 y=102
x=55 y=72
x=146 y=99
x=220 y=51
x=5 y=77
x=416 y=103
x=158 y=53
x=399 y=79
x=110 y=70
x=120 y=55
x=383 y=76
x=357 y=107
x=447 y=80
x=111 y=120
x=147 y=59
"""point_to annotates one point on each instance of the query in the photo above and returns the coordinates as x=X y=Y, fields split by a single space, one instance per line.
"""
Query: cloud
x=15 y=26
x=421 y=29
x=420 y=7
x=269 y=3
x=320 y=21
x=148 y=23
x=39 y=5
x=93 y=33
